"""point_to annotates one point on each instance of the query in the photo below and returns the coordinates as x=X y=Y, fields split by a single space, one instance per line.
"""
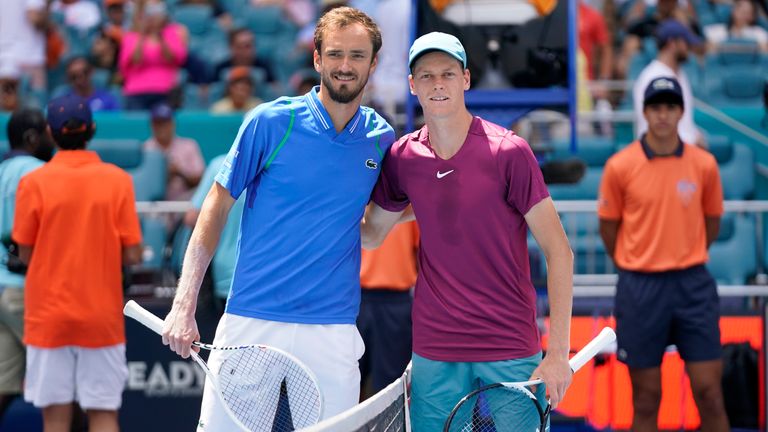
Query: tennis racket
x=507 y=407
x=261 y=388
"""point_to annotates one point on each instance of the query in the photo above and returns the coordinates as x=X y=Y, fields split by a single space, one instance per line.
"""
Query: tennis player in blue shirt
x=308 y=165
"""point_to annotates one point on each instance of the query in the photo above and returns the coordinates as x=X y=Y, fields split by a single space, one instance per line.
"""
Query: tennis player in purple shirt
x=475 y=188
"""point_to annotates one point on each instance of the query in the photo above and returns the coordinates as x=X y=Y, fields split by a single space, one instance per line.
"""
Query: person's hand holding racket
x=180 y=330
x=556 y=373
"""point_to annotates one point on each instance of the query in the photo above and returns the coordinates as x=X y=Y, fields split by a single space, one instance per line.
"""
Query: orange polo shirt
x=393 y=264
x=661 y=202
x=78 y=213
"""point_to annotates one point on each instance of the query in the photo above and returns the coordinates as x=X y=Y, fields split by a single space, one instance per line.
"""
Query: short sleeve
x=524 y=181
x=388 y=193
x=26 y=219
x=712 y=195
x=128 y=220
x=246 y=157
x=610 y=202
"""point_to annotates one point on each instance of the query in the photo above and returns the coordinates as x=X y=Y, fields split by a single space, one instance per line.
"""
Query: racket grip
x=150 y=320
x=605 y=338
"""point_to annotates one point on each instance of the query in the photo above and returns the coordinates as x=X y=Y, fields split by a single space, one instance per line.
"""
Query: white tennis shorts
x=331 y=351
x=94 y=377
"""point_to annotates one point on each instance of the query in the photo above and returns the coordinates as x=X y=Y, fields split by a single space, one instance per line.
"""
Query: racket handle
x=135 y=311
x=605 y=338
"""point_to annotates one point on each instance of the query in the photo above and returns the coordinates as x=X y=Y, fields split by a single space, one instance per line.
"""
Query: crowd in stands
x=219 y=55
x=733 y=32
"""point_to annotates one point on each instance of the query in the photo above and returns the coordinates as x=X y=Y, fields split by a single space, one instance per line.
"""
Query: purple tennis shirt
x=474 y=300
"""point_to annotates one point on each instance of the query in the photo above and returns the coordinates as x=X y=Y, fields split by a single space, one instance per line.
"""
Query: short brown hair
x=344 y=16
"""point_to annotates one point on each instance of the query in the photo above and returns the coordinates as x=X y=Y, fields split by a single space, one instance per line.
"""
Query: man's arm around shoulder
x=180 y=328
x=377 y=223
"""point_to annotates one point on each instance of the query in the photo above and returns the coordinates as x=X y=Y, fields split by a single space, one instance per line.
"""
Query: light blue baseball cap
x=437 y=41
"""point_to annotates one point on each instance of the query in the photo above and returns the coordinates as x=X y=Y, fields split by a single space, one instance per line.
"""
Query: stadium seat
x=637 y=63
x=154 y=233
x=272 y=31
x=586 y=189
x=733 y=260
x=234 y=7
x=197 y=18
x=149 y=178
x=735 y=85
x=125 y=153
x=738 y=51
x=594 y=151
x=738 y=174
x=721 y=147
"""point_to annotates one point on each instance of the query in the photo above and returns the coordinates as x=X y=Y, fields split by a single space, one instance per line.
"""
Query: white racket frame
x=606 y=337
x=155 y=323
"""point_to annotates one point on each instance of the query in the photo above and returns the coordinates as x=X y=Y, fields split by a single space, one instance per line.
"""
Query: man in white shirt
x=675 y=41
x=22 y=37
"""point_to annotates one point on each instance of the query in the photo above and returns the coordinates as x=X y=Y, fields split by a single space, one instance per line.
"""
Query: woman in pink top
x=151 y=56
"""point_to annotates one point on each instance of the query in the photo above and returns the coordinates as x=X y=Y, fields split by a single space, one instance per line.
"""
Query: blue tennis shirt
x=298 y=254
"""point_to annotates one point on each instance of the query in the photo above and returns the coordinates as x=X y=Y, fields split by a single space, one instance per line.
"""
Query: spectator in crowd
x=115 y=12
x=242 y=52
x=79 y=77
x=185 y=160
x=741 y=25
x=151 y=55
x=296 y=281
x=675 y=41
x=388 y=88
x=73 y=320
x=78 y=15
x=104 y=55
x=239 y=93
x=23 y=26
x=642 y=27
x=387 y=276
x=106 y=44
x=303 y=80
x=597 y=45
x=31 y=146
x=9 y=86
x=660 y=206
x=474 y=311
x=306 y=84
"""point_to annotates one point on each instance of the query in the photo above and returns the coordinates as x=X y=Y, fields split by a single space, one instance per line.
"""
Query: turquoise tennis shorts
x=437 y=386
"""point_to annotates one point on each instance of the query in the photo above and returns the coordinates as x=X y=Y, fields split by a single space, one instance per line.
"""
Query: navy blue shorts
x=654 y=310
x=385 y=325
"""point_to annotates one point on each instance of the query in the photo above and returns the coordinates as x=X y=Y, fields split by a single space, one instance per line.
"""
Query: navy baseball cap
x=161 y=111
x=437 y=41
x=664 y=90
x=65 y=108
x=674 y=29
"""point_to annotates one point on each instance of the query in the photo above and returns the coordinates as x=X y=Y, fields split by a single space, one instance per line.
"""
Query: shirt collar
x=322 y=116
x=649 y=154
x=75 y=157
x=16 y=152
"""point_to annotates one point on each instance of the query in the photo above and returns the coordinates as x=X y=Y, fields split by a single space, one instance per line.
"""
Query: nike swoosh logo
x=441 y=175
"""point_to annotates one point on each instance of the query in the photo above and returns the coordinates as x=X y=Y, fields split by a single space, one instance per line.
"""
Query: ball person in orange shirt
x=659 y=207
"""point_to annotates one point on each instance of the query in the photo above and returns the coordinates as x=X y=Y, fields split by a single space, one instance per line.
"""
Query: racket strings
x=498 y=409
x=267 y=391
